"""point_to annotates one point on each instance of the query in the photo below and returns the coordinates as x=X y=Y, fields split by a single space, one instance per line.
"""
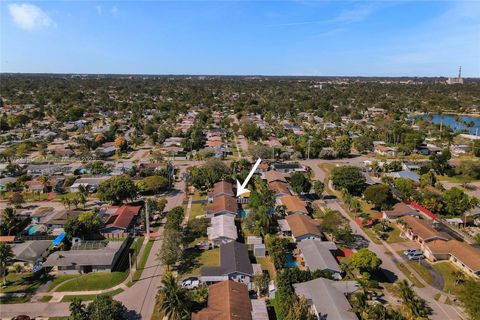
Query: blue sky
x=367 y=38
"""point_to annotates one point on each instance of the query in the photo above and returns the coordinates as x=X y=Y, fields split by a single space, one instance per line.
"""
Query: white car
x=416 y=256
x=411 y=251
x=191 y=283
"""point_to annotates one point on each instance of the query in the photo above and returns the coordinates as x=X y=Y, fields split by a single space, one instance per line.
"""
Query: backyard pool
x=291 y=262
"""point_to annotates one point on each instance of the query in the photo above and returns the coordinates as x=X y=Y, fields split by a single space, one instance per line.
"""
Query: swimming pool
x=32 y=230
x=291 y=262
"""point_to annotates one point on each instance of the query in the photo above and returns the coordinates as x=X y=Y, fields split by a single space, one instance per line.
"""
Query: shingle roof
x=301 y=225
x=233 y=258
x=399 y=210
x=422 y=228
x=222 y=188
x=273 y=175
x=97 y=257
x=328 y=297
x=318 y=255
x=279 y=187
x=222 y=203
x=227 y=300
x=293 y=204
x=469 y=255
x=30 y=250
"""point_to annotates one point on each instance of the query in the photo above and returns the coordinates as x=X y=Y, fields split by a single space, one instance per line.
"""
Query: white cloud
x=29 y=17
x=99 y=9
x=114 y=11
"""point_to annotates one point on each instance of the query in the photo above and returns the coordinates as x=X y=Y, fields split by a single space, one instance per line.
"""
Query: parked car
x=191 y=283
x=416 y=256
x=411 y=251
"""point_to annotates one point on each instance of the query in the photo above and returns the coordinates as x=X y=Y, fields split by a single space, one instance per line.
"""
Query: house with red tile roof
x=120 y=219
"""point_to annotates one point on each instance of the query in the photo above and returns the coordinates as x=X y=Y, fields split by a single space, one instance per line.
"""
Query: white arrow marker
x=241 y=187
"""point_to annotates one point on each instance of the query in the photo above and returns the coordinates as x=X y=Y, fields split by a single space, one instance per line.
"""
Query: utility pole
x=147 y=218
x=130 y=264
x=308 y=149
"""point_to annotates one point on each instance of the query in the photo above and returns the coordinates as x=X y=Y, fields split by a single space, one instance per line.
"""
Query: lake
x=450 y=120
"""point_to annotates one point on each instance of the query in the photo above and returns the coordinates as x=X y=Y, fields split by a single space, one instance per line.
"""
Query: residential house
x=319 y=255
x=420 y=230
x=30 y=253
x=227 y=300
x=4 y=182
x=273 y=175
x=279 y=188
x=462 y=255
x=221 y=205
x=399 y=210
x=293 y=204
x=407 y=174
x=221 y=188
x=79 y=260
x=384 y=150
x=234 y=265
x=120 y=219
x=327 y=299
x=303 y=227
x=59 y=219
x=222 y=229
x=46 y=169
x=91 y=183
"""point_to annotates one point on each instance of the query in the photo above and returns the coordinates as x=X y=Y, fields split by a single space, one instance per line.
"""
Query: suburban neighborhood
x=213 y=211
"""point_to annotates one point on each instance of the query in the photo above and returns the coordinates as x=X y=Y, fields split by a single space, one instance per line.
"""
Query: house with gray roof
x=319 y=255
x=82 y=260
x=327 y=298
x=28 y=253
x=234 y=265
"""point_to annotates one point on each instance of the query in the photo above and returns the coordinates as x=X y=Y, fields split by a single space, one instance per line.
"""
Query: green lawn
x=409 y=275
x=94 y=281
x=61 y=278
x=208 y=258
x=447 y=269
x=196 y=210
x=267 y=264
x=21 y=282
x=394 y=235
x=45 y=299
x=143 y=261
x=422 y=271
x=89 y=297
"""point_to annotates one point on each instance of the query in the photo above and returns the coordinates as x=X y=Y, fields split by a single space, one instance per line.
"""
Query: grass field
x=422 y=271
x=394 y=235
x=61 y=278
x=208 y=258
x=143 y=261
x=267 y=264
x=89 y=297
x=447 y=270
x=21 y=282
x=409 y=275
x=94 y=281
x=45 y=299
x=196 y=210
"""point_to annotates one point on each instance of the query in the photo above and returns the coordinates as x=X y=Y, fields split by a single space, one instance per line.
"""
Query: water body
x=451 y=121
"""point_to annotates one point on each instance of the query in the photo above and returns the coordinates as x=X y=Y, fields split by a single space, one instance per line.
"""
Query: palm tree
x=10 y=222
x=5 y=255
x=459 y=277
x=174 y=302
x=83 y=190
x=43 y=179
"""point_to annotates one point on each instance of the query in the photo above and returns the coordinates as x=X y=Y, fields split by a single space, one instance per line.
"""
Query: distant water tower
x=457 y=80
